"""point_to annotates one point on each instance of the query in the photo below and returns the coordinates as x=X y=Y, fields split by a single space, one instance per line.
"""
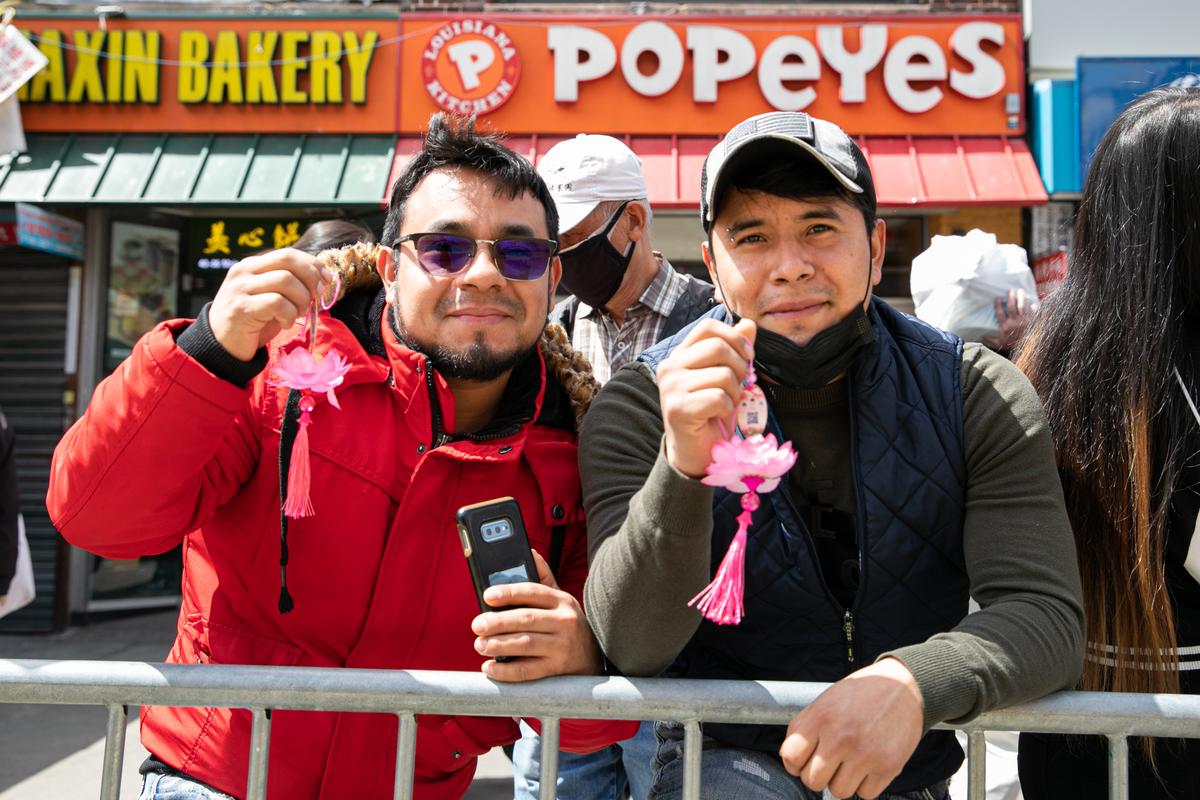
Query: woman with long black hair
x=1115 y=357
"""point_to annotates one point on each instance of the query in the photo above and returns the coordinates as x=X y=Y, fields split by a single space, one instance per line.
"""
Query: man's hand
x=1015 y=313
x=261 y=296
x=547 y=635
x=857 y=736
x=699 y=386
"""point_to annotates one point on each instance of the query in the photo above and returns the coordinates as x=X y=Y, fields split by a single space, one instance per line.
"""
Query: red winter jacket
x=167 y=452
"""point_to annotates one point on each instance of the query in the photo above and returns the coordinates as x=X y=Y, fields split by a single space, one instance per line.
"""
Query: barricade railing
x=117 y=685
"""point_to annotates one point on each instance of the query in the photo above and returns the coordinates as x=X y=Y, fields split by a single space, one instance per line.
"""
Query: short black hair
x=452 y=141
x=778 y=169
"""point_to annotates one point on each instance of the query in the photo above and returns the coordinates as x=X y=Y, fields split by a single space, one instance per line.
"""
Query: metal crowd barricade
x=118 y=685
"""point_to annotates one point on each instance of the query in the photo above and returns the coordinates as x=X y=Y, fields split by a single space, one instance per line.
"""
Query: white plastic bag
x=956 y=281
x=21 y=591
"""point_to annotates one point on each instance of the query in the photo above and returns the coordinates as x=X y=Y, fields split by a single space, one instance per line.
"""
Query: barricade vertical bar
x=976 y=766
x=406 y=757
x=1118 y=768
x=114 y=752
x=549 y=775
x=260 y=750
x=691 y=760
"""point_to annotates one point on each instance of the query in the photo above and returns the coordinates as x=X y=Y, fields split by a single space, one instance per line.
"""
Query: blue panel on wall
x=1107 y=85
x=1055 y=125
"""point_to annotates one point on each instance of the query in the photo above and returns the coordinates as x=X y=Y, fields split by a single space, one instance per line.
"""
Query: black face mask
x=593 y=269
x=811 y=366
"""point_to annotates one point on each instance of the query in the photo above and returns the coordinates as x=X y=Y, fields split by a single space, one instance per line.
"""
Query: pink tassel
x=298 y=503
x=721 y=600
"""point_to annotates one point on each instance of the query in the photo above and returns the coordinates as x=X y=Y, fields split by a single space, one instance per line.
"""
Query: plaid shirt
x=607 y=345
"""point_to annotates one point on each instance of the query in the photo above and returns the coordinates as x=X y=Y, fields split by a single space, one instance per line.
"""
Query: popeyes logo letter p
x=470 y=66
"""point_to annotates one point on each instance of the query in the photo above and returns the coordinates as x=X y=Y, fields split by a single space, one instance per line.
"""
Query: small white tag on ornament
x=752 y=411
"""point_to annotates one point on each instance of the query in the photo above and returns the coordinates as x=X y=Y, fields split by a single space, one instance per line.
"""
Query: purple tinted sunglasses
x=519 y=258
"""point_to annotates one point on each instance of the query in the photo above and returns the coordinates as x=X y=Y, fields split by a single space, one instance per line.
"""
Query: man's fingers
x=697 y=380
x=526 y=644
x=305 y=267
x=817 y=773
x=740 y=337
x=846 y=780
x=280 y=282
x=545 y=576
x=872 y=786
x=526 y=594
x=797 y=748
x=523 y=669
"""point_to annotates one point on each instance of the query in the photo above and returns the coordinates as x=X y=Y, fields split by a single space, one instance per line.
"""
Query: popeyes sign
x=892 y=75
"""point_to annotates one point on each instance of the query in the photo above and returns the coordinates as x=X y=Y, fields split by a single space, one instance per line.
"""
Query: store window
x=906 y=238
x=143 y=283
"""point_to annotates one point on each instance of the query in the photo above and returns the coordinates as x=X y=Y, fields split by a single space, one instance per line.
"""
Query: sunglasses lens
x=444 y=254
x=523 y=259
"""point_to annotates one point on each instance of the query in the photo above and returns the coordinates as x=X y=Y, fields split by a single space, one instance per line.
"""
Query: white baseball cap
x=587 y=170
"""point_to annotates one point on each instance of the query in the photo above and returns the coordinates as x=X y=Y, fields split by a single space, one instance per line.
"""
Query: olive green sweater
x=650 y=529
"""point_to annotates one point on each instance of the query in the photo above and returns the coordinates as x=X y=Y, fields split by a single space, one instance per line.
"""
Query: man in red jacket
x=449 y=400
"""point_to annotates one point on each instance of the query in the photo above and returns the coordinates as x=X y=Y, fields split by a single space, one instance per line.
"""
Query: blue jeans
x=727 y=772
x=170 y=786
x=602 y=775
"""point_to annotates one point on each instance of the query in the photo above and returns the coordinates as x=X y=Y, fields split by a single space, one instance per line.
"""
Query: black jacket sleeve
x=9 y=505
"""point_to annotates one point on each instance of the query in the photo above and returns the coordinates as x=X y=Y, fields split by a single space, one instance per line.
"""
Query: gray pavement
x=56 y=751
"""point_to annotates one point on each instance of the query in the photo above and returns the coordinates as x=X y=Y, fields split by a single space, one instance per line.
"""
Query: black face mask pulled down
x=593 y=269
x=811 y=366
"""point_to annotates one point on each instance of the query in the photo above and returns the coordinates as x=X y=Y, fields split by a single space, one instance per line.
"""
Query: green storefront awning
x=199 y=169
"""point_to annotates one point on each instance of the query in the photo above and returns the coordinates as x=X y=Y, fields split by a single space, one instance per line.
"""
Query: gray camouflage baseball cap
x=822 y=140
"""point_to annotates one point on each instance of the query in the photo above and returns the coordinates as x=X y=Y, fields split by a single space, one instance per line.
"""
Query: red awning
x=909 y=171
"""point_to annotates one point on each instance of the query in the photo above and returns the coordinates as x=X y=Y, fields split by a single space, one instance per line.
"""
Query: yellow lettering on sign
x=141 y=71
x=193 y=76
x=85 y=79
x=251 y=238
x=51 y=79
x=289 y=70
x=217 y=241
x=325 y=81
x=285 y=236
x=112 y=62
x=225 y=76
x=260 y=78
x=358 y=59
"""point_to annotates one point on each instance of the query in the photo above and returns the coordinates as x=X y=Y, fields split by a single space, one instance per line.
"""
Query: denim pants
x=727 y=772
x=602 y=775
x=174 y=786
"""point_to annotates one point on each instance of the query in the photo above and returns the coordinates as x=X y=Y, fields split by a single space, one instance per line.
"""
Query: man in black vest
x=627 y=296
x=925 y=477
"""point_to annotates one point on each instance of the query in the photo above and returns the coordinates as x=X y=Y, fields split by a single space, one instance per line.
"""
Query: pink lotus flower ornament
x=748 y=466
x=300 y=369
x=734 y=462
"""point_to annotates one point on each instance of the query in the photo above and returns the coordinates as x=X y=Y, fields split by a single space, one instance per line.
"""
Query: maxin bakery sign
x=265 y=75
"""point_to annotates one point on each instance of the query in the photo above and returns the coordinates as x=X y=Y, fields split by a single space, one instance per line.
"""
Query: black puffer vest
x=910 y=485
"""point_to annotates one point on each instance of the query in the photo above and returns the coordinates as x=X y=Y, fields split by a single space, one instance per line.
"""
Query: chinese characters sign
x=218 y=244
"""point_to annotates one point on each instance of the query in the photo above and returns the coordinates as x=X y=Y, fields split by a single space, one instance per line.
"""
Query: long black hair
x=1102 y=355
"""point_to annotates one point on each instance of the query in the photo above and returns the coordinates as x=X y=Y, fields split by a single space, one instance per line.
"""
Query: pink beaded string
x=746 y=462
x=310 y=374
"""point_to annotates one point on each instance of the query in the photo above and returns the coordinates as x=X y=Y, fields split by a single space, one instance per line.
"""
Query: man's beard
x=475 y=362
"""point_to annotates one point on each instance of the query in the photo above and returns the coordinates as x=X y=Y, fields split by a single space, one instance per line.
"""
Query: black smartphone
x=494 y=542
